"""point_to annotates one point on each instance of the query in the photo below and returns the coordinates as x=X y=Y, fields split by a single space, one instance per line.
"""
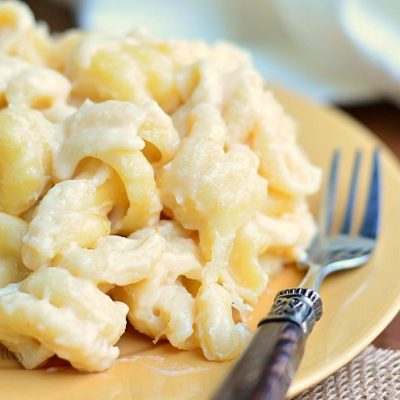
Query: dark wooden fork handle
x=268 y=366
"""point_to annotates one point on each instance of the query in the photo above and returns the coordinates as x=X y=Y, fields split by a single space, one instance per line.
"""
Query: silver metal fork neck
x=313 y=278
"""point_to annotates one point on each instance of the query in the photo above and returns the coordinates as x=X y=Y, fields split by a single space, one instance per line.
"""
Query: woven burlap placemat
x=372 y=375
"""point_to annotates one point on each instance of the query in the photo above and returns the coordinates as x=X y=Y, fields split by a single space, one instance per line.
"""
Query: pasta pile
x=155 y=179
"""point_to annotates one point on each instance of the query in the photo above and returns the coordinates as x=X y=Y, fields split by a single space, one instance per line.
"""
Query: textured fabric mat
x=372 y=375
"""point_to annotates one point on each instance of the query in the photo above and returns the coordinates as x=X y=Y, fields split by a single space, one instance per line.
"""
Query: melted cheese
x=159 y=174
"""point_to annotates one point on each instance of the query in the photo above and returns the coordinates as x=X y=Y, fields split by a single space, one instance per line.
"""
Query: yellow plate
x=357 y=304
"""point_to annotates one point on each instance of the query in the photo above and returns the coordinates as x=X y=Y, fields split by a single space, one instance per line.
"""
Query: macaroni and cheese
x=155 y=180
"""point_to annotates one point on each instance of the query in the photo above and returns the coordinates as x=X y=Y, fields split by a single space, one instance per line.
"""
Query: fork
x=267 y=367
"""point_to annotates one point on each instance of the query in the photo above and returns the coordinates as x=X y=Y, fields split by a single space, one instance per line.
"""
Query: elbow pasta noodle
x=115 y=260
x=12 y=230
x=111 y=131
x=62 y=47
x=68 y=316
x=92 y=67
x=20 y=36
x=42 y=89
x=26 y=141
x=158 y=180
x=220 y=337
x=10 y=67
x=199 y=185
x=72 y=212
x=149 y=311
x=145 y=70
x=285 y=237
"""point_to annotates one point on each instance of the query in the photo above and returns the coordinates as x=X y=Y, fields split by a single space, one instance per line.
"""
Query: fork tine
x=327 y=209
x=348 y=216
x=371 y=220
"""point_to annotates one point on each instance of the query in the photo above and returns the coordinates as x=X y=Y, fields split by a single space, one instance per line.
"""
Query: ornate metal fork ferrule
x=299 y=305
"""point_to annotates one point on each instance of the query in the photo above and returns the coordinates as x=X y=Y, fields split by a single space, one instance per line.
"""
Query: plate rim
x=327 y=370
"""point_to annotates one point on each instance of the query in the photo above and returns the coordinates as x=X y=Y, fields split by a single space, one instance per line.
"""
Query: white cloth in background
x=331 y=50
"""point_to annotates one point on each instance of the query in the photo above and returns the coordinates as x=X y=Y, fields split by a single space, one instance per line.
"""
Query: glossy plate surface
x=357 y=304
